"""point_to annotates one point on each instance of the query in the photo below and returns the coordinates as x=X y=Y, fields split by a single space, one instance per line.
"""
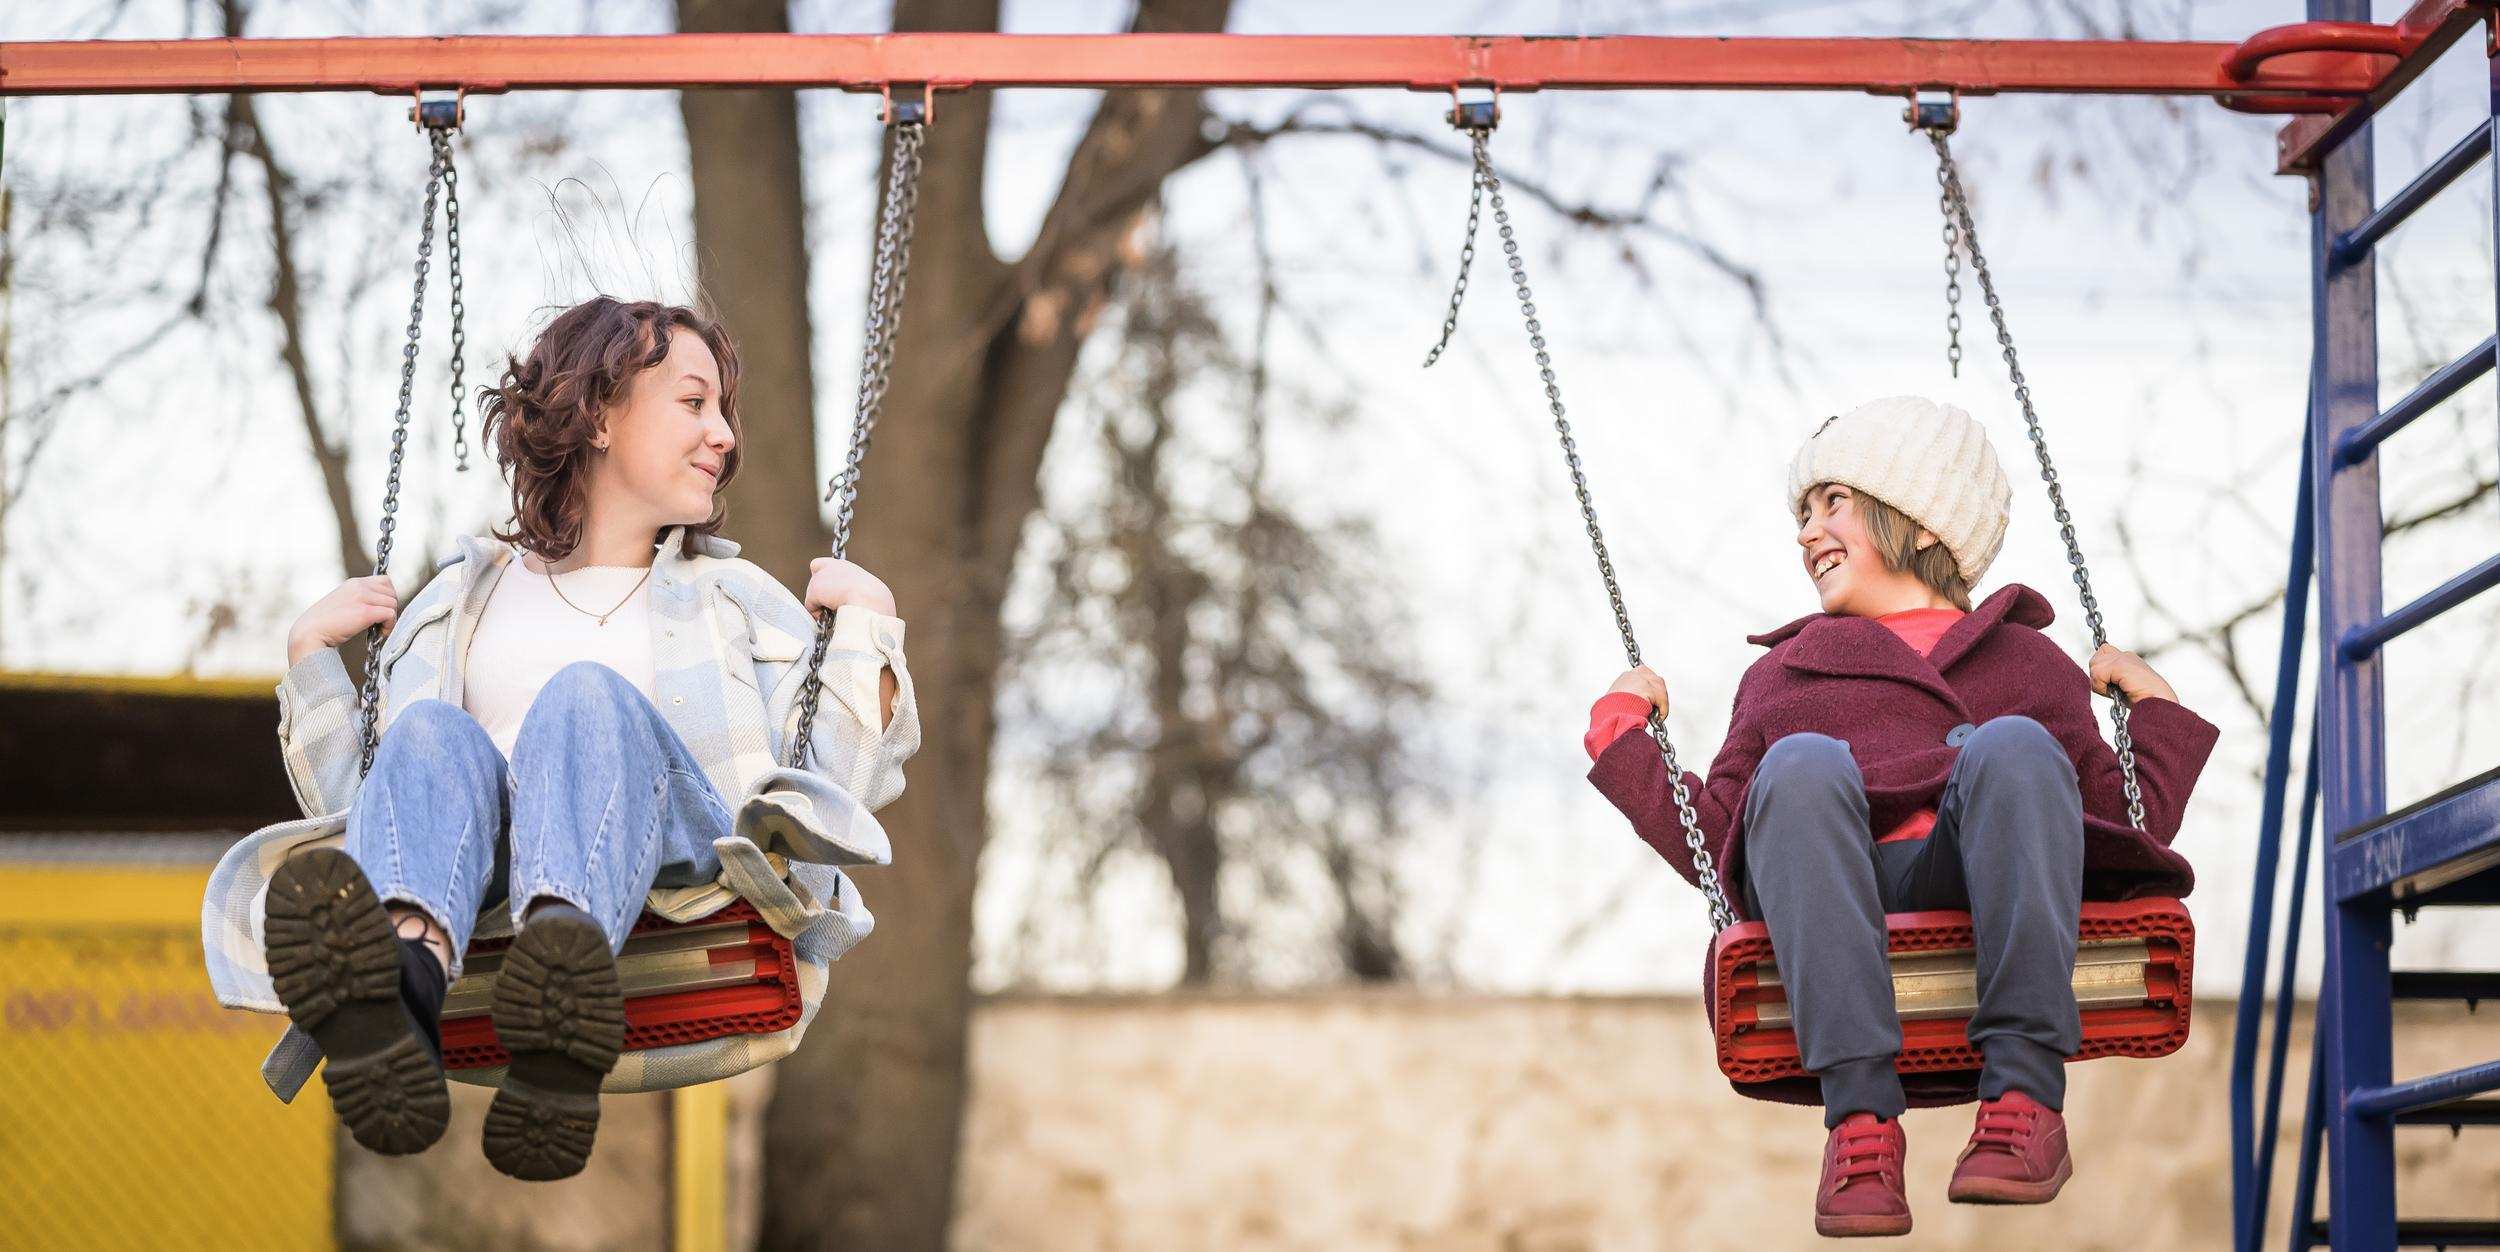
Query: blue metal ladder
x=2441 y=851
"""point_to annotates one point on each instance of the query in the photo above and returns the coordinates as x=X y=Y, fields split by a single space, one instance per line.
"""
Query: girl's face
x=667 y=440
x=1846 y=567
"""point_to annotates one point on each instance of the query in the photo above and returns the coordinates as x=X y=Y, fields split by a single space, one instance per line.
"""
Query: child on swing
x=1906 y=749
x=580 y=716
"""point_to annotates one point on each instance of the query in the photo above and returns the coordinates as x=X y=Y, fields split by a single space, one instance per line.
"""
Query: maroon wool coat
x=1853 y=679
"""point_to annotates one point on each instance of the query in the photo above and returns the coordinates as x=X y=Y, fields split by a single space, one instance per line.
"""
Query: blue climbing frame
x=2441 y=851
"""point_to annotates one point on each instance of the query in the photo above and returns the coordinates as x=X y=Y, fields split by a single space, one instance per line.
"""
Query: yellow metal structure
x=699 y=1116
x=131 y=1109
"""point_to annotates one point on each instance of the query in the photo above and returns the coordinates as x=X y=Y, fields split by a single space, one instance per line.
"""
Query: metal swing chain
x=1956 y=205
x=885 y=307
x=459 y=314
x=1952 y=275
x=1466 y=254
x=1489 y=185
x=438 y=176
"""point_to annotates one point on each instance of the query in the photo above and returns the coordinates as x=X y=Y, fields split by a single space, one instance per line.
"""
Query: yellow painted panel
x=700 y=1155
x=93 y=897
x=140 y=685
x=132 y=1114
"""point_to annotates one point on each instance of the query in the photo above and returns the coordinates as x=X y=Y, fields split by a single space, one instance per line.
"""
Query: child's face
x=669 y=440
x=1842 y=560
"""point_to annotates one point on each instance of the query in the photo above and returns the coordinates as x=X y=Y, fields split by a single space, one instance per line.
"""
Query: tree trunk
x=750 y=230
x=861 y=1136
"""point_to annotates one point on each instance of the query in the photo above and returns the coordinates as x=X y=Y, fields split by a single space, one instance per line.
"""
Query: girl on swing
x=1906 y=749
x=569 y=710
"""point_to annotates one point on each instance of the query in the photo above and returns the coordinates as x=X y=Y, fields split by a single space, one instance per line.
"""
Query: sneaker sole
x=559 y=1013
x=334 y=960
x=2009 y=1190
x=1862 y=1225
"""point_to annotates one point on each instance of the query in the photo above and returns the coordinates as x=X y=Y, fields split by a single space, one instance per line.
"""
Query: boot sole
x=1862 y=1226
x=2009 y=1190
x=334 y=961
x=559 y=1013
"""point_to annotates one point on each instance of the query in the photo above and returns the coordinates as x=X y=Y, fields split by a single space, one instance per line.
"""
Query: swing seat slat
x=684 y=982
x=2134 y=967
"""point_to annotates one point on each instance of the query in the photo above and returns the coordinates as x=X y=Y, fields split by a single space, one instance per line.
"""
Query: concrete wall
x=1351 y=1121
x=1539 y=1125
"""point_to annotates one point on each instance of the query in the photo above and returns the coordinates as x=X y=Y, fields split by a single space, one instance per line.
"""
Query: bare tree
x=261 y=206
x=245 y=136
x=1246 y=717
x=861 y=1137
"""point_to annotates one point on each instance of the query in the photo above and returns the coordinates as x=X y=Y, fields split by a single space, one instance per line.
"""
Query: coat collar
x=672 y=545
x=2012 y=603
x=1861 y=647
x=486 y=551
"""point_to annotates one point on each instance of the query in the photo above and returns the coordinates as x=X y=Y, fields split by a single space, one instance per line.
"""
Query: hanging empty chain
x=1952 y=276
x=1956 y=205
x=459 y=316
x=1478 y=119
x=439 y=125
x=1466 y=258
x=876 y=362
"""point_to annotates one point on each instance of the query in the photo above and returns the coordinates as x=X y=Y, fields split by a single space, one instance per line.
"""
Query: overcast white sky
x=2156 y=273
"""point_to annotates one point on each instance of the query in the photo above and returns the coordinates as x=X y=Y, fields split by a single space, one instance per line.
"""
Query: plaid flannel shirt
x=729 y=645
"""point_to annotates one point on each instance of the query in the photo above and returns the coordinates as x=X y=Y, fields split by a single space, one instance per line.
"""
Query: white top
x=527 y=633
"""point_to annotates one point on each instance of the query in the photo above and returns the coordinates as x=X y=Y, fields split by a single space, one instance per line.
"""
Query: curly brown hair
x=540 y=418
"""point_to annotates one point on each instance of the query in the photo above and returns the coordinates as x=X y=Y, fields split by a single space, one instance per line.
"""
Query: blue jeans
x=600 y=801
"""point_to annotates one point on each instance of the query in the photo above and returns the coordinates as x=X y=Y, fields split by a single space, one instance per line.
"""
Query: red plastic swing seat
x=685 y=982
x=2133 y=967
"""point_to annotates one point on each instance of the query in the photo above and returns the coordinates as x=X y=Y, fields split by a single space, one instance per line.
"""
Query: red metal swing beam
x=2339 y=72
x=1427 y=63
x=2297 y=68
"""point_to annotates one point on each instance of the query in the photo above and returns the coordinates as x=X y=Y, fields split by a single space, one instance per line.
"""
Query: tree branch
x=286 y=301
x=1135 y=141
x=1588 y=216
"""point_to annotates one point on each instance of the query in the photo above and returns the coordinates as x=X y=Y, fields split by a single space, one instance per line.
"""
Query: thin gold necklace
x=603 y=617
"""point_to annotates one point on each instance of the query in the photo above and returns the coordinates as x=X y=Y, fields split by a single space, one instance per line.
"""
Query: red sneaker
x=2017 y=1154
x=1862 y=1192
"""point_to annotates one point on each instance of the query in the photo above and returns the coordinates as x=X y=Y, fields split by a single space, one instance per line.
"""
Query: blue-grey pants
x=600 y=801
x=2007 y=846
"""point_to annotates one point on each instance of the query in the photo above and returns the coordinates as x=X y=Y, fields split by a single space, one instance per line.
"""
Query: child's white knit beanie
x=1928 y=460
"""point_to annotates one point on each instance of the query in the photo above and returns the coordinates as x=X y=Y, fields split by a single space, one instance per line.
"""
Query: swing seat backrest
x=684 y=982
x=2133 y=967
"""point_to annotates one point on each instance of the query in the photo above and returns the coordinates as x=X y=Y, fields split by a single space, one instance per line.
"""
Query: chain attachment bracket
x=1936 y=110
x=1475 y=115
x=440 y=108
x=918 y=112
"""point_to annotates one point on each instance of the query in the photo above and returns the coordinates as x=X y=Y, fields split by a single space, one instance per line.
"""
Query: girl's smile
x=1850 y=570
x=1831 y=533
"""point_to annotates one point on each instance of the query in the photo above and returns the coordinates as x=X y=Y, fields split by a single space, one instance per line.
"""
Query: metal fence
x=132 y=1114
